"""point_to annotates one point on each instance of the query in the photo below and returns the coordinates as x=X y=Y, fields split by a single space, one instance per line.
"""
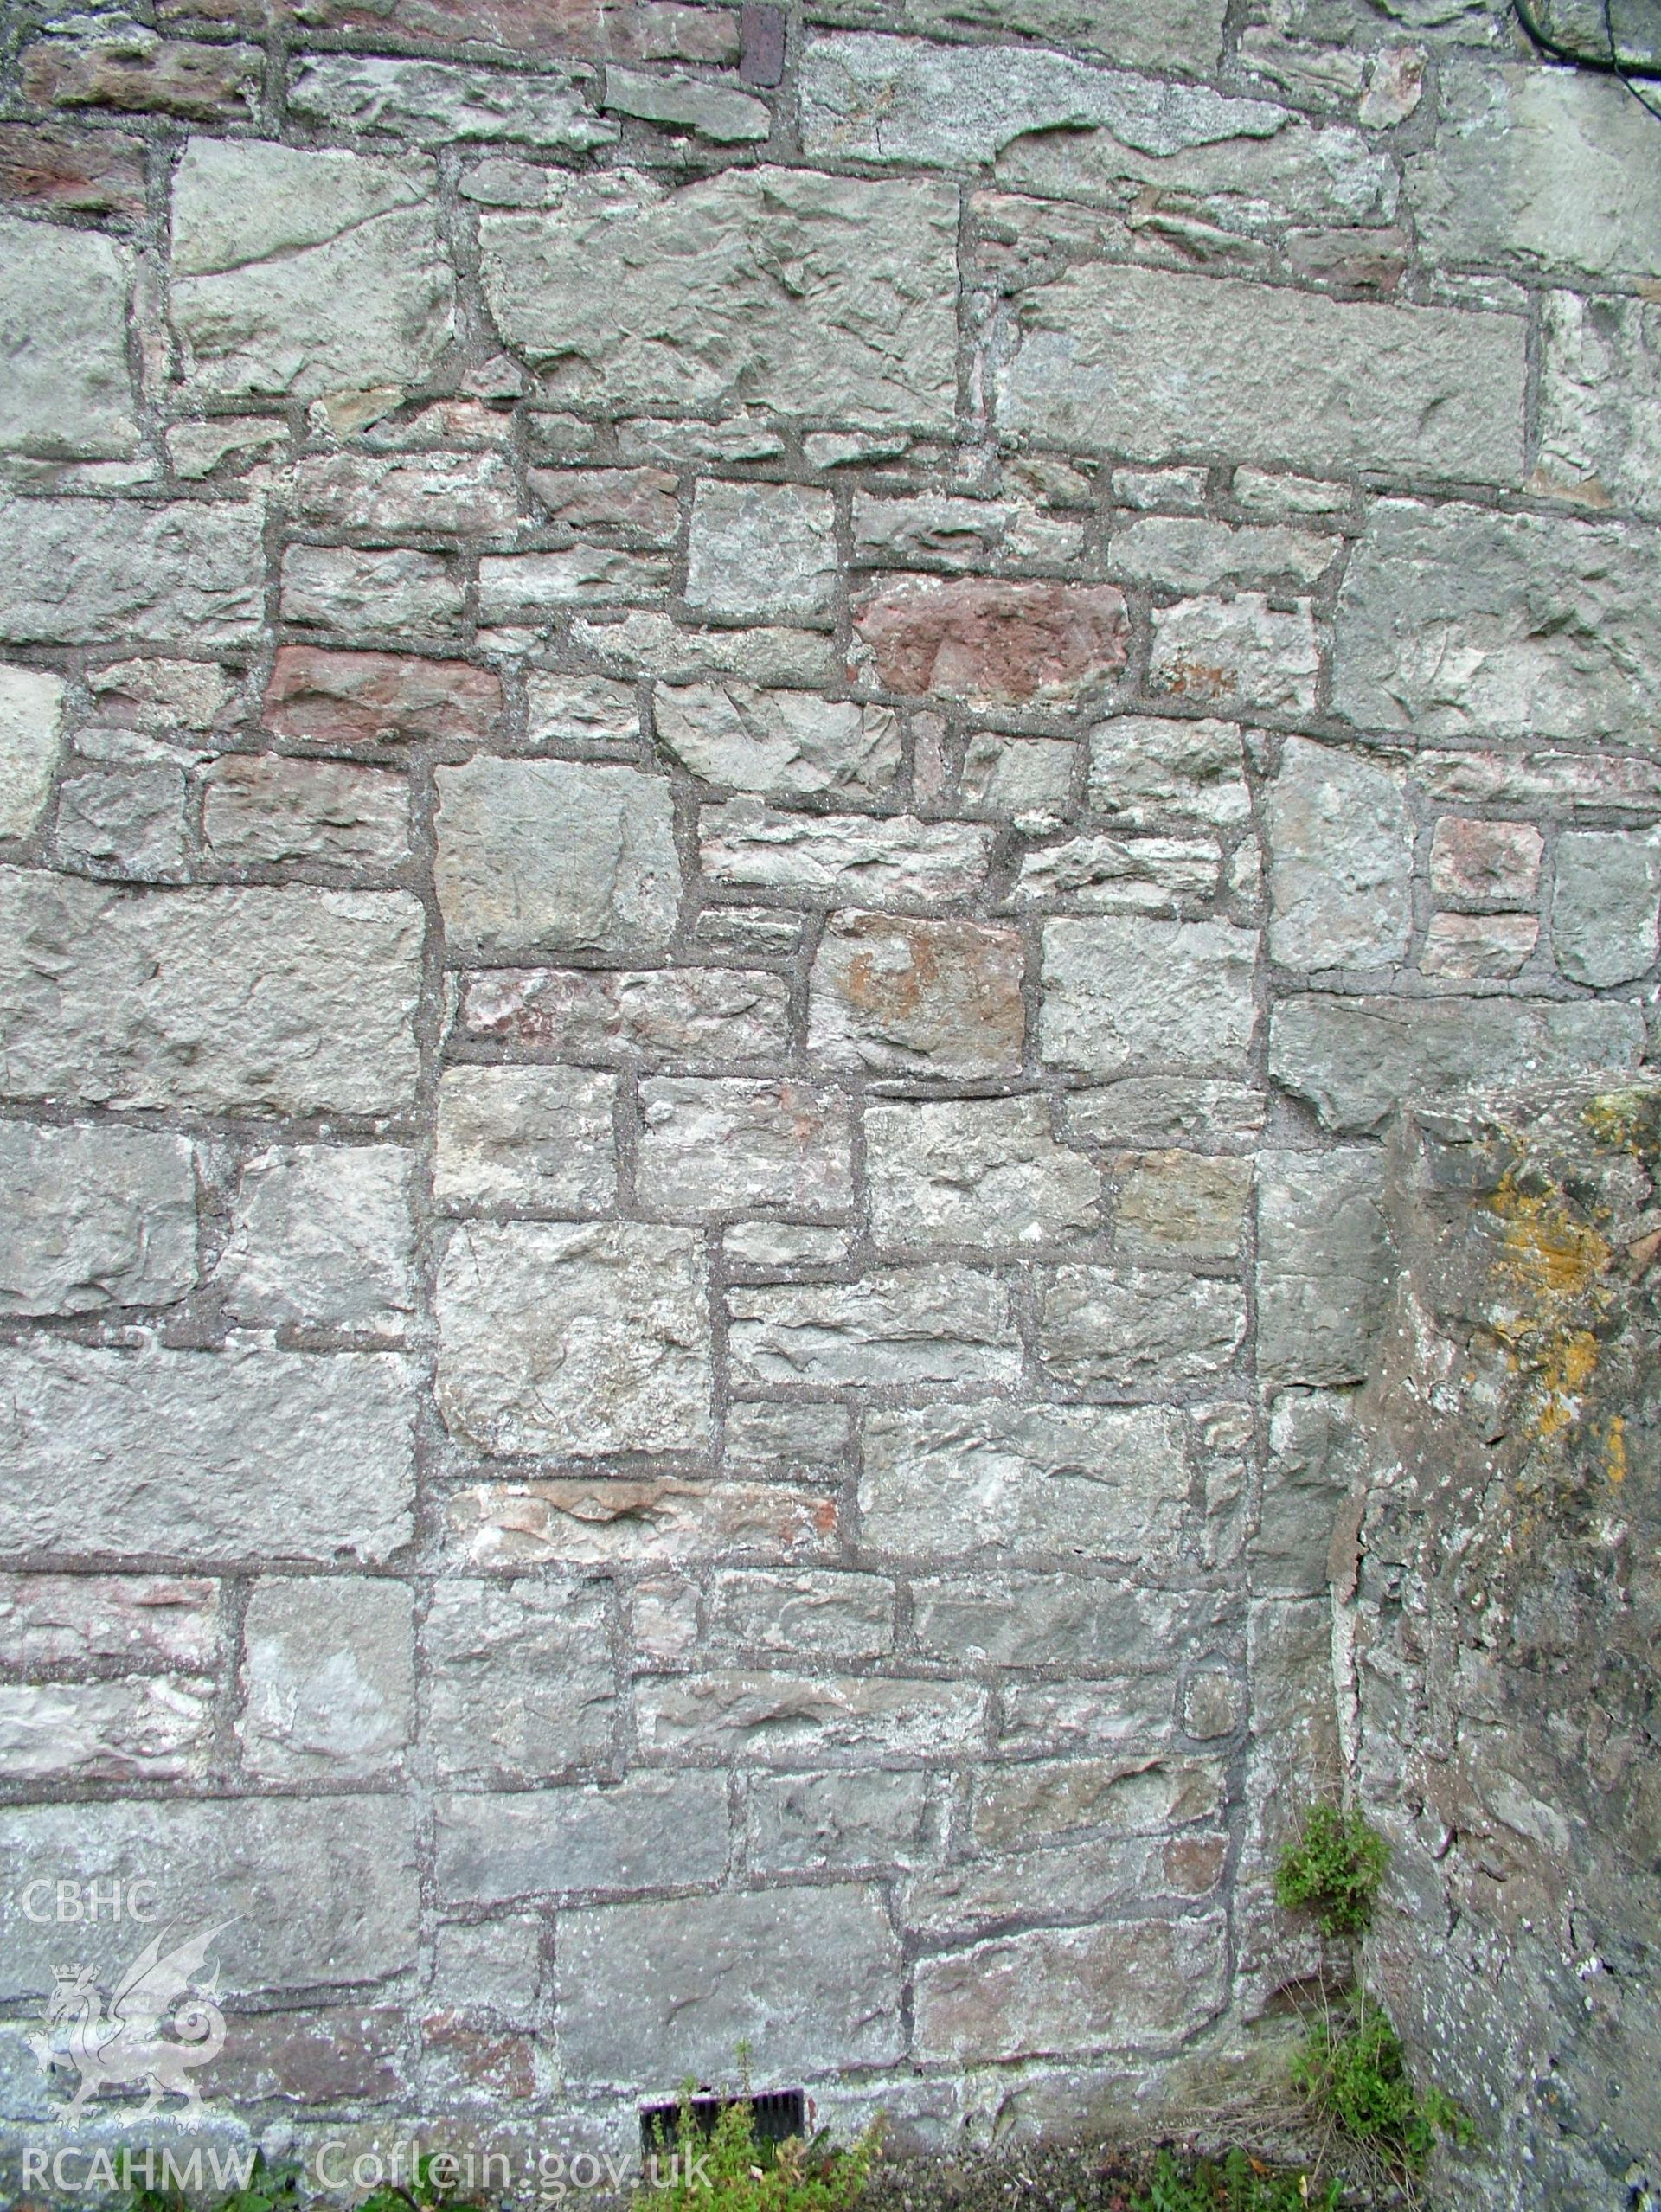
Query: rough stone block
x=1478 y=948
x=593 y=712
x=1108 y=1481
x=328 y=1677
x=63 y=339
x=1355 y=1059
x=95 y=1217
x=694 y=1015
x=996 y=644
x=657 y=1522
x=788 y=1440
x=810 y=1612
x=1473 y=859
x=1149 y=1985
x=125 y=823
x=1084 y=1716
x=248 y=1453
x=45 y=167
x=322 y=1234
x=1554 y=166
x=652 y=1831
x=1606 y=890
x=86 y=572
x=1454 y=621
x=1145 y=770
x=521 y=1684
x=983 y=1171
x=1315 y=1453
x=137 y=1730
x=530 y=589
x=1340 y=843
x=709 y=1146
x=1147 y=40
x=810 y=1976
x=301 y=274
x=1162 y=1110
x=1184 y=1208
x=533 y=1140
x=130 y=68
x=1102 y=875
x=778 y=742
x=713 y=112
x=1323 y=1264
x=1017 y=775
x=1137 y=1329
x=1186 y=554
x=899 y=1325
x=437 y=103
x=1123 y=994
x=31 y=717
x=630 y=292
x=251 y=1002
x=393 y=495
x=578 y=1340
x=263 y=807
x=1235 y=653
x=1075 y=1622
x=238 y=1861
x=555 y=856
x=143 y=1621
x=1600 y=400
x=894 y=859
x=383 y=598
x=350 y=699
x=762 y=552
x=752 y=1718
x=899 y=996
x=801 y=1823
x=1292 y=377
x=1038 y=1800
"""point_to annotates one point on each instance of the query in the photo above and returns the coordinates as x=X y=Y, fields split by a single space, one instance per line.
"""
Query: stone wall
x=1499 y=1627
x=742 y=757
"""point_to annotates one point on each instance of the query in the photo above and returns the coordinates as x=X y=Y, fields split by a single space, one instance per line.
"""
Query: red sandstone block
x=368 y=698
x=82 y=172
x=971 y=637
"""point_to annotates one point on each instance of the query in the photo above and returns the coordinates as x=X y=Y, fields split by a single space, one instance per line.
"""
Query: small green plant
x=1239 y=2184
x=268 y=2189
x=1333 y=1871
x=728 y=2170
x=1353 y=2069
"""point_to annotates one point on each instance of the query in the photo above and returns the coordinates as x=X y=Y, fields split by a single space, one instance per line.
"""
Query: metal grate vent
x=778 y=2114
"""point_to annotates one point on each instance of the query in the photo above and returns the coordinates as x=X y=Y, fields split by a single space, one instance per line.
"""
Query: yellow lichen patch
x=1554 y=1268
x=1625 y=1121
x=1614 y=1451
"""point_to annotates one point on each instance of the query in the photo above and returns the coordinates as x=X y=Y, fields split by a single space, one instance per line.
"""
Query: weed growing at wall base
x=1239 y=2184
x=729 y=2170
x=1353 y=2070
x=1333 y=1871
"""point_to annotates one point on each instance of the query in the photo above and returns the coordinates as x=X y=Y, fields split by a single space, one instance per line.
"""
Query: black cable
x=1612 y=67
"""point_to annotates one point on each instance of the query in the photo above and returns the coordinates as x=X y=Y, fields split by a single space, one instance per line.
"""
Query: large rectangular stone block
x=1143 y=1986
x=310 y=1891
x=1105 y=353
x=630 y=293
x=1355 y=1059
x=246 y=1454
x=87 y=572
x=651 y=1992
x=653 y=1831
x=95 y=1217
x=1106 y=1480
x=576 y=1340
x=1323 y=1264
x=1125 y=995
x=1143 y=38
x=225 y=1000
x=1455 y=621
x=63 y=337
x=899 y=1325
x=656 y=1521
x=712 y=1147
x=749 y=1717
x=521 y=1682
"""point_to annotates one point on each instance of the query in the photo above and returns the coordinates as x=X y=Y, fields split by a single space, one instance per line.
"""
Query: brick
x=145 y=998
x=1312 y=382
x=996 y=643
x=351 y=699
